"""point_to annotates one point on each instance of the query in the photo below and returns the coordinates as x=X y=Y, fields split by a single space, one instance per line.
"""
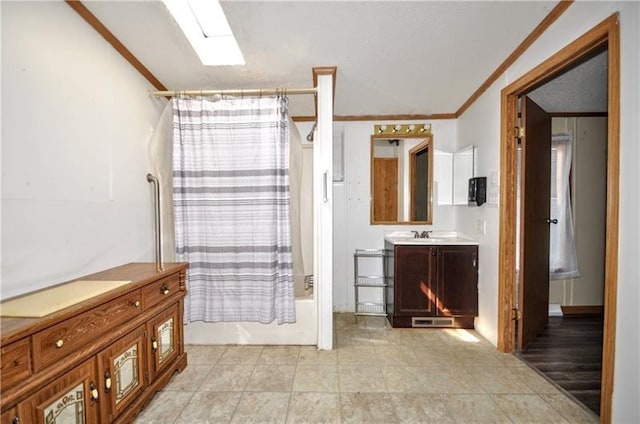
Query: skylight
x=204 y=24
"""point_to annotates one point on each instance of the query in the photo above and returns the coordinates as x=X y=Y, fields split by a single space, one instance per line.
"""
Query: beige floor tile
x=452 y=380
x=476 y=356
x=245 y=355
x=397 y=355
x=357 y=355
x=405 y=379
x=204 y=354
x=429 y=380
x=311 y=378
x=210 y=408
x=396 y=375
x=527 y=409
x=314 y=408
x=361 y=379
x=227 y=378
x=189 y=379
x=420 y=408
x=464 y=338
x=467 y=409
x=310 y=355
x=435 y=357
x=367 y=408
x=508 y=359
x=271 y=378
x=498 y=380
x=370 y=322
x=423 y=337
x=384 y=336
x=164 y=408
x=353 y=337
x=279 y=355
x=533 y=380
x=570 y=410
x=262 y=407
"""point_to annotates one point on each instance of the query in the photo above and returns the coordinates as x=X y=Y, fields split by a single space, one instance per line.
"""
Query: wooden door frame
x=607 y=33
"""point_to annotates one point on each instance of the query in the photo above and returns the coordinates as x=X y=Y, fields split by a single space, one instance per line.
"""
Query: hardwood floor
x=569 y=352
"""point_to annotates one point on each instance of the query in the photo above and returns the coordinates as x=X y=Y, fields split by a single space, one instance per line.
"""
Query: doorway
x=564 y=343
x=604 y=34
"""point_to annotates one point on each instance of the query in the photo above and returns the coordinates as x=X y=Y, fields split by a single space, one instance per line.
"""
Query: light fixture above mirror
x=401 y=130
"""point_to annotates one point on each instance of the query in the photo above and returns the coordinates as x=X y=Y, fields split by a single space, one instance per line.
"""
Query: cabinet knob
x=59 y=343
x=154 y=345
x=94 y=391
x=15 y=420
x=164 y=289
x=136 y=304
x=107 y=382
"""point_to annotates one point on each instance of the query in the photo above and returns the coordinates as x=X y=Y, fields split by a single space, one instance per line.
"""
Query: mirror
x=401 y=179
x=463 y=169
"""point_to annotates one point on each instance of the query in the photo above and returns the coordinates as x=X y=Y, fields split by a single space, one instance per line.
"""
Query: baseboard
x=568 y=310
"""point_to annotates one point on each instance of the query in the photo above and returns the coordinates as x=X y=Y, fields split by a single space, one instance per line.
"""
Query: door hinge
x=519 y=132
x=516 y=315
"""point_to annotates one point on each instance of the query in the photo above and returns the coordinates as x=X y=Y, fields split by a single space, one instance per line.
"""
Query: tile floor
x=374 y=375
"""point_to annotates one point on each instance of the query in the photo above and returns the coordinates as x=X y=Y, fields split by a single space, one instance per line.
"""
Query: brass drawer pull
x=164 y=289
x=94 y=391
x=59 y=343
x=107 y=382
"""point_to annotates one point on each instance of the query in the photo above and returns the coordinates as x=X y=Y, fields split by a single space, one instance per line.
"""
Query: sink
x=451 y=238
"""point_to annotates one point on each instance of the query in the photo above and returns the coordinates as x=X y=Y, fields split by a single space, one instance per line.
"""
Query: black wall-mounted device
x=477 y=191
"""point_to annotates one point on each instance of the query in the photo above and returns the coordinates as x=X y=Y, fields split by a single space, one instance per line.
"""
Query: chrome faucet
x=415 y=234
x=424 y=234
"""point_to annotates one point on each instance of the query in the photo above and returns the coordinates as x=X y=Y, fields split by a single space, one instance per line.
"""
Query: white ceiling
x=393 y=57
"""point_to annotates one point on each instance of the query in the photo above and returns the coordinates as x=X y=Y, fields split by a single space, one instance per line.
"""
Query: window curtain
x=563 y=261
x=231 y=205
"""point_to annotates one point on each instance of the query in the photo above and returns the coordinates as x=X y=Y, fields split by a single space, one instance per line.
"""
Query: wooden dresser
x=100 y=360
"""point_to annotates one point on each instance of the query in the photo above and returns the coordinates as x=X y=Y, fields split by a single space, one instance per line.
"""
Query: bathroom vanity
x=93 y=350
x=432 y=282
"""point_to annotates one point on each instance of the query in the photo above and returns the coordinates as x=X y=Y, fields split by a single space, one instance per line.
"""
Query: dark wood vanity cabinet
x=432 y=285
x=100 y=360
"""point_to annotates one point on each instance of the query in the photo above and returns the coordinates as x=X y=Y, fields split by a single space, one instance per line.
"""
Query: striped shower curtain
x=231 y=203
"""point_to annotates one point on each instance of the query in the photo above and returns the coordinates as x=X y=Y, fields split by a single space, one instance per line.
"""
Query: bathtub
x=303 y=332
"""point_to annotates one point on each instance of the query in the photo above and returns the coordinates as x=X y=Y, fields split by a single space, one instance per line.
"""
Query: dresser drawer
x=15 y=362
x=156 y=292
x=58 y=341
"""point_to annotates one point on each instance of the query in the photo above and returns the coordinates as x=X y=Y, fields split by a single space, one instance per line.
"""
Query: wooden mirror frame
x=428 y=144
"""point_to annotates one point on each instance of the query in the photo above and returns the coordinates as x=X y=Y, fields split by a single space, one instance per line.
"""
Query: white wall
x=76 y=120
x=351 y=226
x=485 y=114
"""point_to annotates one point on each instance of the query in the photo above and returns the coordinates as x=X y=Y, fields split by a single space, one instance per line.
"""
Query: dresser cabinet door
x=70 y=399
x=165 y=339
x=122 y=368
x=415 y=281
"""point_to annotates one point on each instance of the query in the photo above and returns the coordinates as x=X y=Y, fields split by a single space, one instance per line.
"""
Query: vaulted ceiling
x=392 y=57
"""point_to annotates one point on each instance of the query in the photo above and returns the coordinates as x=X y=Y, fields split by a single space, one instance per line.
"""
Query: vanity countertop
x=435 y=238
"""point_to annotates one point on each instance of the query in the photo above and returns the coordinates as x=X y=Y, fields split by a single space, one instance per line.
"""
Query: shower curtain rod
x=236 y=92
